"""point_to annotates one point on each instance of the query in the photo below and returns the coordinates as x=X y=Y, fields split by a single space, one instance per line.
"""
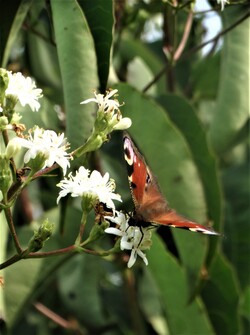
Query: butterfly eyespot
x=128 y=152
x=133 y=185
x=148 y=179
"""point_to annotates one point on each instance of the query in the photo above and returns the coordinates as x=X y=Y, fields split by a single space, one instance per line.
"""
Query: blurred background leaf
x=232 y=100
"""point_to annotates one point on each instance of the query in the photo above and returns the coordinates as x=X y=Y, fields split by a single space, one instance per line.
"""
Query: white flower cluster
x=110 y=108
x=24 y=89
x=133 y=238
x=89 y=185
x=101 y=188
x=47 y=143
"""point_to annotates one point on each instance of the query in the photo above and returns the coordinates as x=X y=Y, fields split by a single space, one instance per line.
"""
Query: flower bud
x=101 y=121
x=88 y=202
x=37 y=163
x=4 y=81
x=12 y=148
x=5 y=175
x=44 y=232
x=123 y=124
x=97 y=231
x=3 y=122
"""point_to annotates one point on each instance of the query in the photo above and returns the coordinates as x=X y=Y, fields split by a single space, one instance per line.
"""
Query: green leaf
x=46 y=117
x=221 y=296
x=245 y=309
x=182 y=114
x=11 y=20
x=78 y=67
x=43 y=58
x=20 y=283
x=99 y=15
x=204 y=77
x=131 y=49
x=79 y=289
x=232 y=111
x=151 y=302
x=236 y=244
x=167 y=152
x=182 y=318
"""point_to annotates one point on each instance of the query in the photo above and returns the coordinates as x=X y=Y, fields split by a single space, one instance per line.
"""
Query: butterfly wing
x=150 y=204
x=173 y=219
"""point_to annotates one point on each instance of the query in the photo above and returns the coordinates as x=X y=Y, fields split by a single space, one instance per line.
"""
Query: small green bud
x=10 y=103
x=97 y=231
x=88 y=202
x=101 y=122
x=3 y=122
x=4 y=82
x=5 y=175
x=37 y=163
x=12 y=148
x=94 y=143
x=16 y=117
x=40 y=236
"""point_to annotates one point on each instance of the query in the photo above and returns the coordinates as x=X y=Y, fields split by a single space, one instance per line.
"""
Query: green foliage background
x=192 y=125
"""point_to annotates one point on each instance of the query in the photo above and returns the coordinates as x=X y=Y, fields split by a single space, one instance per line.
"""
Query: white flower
x=133 y=238
x=46 y=142
x=120 y=220
x=103 y=188
x=1 y=110
x=24 y=89
x=123 y=124
x=94 y=185
x=222 y=3
x=108 y=109
x=104 y=102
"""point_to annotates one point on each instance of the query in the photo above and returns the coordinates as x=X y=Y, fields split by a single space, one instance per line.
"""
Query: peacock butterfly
x=151 y=208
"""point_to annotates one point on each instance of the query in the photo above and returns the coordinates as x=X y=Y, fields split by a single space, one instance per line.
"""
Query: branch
x=8 y=216
x=185 y=36
x=71 y=325
x=198 y=47
x=215 y=38
x=27 y=27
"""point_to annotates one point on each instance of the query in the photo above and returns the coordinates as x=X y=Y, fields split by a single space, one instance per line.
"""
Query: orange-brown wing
x=144 y=189
x=173 y=219
x=150 y=204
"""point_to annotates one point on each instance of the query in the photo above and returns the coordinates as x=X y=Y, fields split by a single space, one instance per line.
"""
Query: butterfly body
x=151 y=207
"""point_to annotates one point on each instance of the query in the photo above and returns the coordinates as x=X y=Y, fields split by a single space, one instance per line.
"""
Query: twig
x=27 y=27
x=56 y=318
x=59 y=252
x=56 y=252
x=185 y=36
x=198 y=47
x=8 y=216
x=215 y=38
x=10 y=261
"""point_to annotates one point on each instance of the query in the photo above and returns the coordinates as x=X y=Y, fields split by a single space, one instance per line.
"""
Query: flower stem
x=8 y=215
x=25 y=255
x=57 y=252
x=73 y=249
x=82 y=227
x=11 y=261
